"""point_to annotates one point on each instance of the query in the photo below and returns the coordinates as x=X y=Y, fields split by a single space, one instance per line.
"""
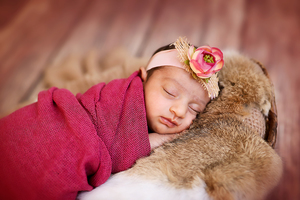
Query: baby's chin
x=167 y=130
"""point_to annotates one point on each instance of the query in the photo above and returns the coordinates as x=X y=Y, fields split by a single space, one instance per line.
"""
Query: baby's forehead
x=178 y=75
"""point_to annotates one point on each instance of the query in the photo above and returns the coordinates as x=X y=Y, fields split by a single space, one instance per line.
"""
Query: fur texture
x=220 y=157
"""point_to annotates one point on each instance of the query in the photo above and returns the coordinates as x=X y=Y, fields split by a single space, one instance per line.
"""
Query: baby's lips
x=168 y=122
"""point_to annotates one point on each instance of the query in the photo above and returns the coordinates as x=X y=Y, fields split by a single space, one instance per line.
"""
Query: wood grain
x=37 y=34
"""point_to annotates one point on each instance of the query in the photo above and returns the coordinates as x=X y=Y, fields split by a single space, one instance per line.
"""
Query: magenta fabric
x=64 y=144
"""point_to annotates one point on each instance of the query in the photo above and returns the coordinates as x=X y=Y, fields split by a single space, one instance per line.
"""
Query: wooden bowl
x=271 y=120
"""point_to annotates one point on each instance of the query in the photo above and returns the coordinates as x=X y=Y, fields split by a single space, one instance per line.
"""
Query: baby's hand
x=158 y=139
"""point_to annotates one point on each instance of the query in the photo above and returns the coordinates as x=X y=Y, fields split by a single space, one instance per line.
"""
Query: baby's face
x=173 y=99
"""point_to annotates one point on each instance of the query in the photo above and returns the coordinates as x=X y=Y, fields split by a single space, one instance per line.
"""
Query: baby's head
x=179 y=81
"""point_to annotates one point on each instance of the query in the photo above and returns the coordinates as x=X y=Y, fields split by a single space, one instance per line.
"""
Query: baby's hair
x=163 y=48
x=166 y=47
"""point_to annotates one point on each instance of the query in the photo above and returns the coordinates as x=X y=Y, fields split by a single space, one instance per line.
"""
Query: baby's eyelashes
x=195 y=109
x=170 y=92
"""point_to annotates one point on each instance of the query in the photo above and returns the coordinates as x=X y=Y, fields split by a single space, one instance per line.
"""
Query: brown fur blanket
x=220 y=157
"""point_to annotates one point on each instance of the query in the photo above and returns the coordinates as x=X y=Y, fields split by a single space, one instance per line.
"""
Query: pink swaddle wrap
x=64 y=144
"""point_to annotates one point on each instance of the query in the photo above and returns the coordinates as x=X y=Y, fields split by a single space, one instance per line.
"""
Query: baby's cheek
x=190 y=121
x=192 y=117
x=186 y=126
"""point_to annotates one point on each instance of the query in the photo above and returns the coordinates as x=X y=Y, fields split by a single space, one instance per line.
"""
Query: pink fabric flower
x=205 y=61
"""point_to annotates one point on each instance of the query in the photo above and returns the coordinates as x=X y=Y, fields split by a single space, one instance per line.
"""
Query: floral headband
x=202 y=63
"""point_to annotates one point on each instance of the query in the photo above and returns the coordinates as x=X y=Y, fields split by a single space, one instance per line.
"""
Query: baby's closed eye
x=195 y=108
x=171 y=91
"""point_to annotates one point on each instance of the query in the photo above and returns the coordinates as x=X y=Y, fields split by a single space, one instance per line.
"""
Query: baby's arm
x=158 y=139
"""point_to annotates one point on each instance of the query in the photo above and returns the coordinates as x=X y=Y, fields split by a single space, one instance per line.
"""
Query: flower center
x=208 y=58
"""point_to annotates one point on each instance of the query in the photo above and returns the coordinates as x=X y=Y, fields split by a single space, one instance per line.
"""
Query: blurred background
x=36 y=34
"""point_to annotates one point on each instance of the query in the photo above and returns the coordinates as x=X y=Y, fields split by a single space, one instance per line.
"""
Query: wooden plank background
x=35 y=34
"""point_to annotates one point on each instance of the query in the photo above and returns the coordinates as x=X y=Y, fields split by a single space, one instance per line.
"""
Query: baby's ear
x=143 y=74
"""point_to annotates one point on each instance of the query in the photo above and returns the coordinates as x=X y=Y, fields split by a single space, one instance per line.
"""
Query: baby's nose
x=179 y=110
